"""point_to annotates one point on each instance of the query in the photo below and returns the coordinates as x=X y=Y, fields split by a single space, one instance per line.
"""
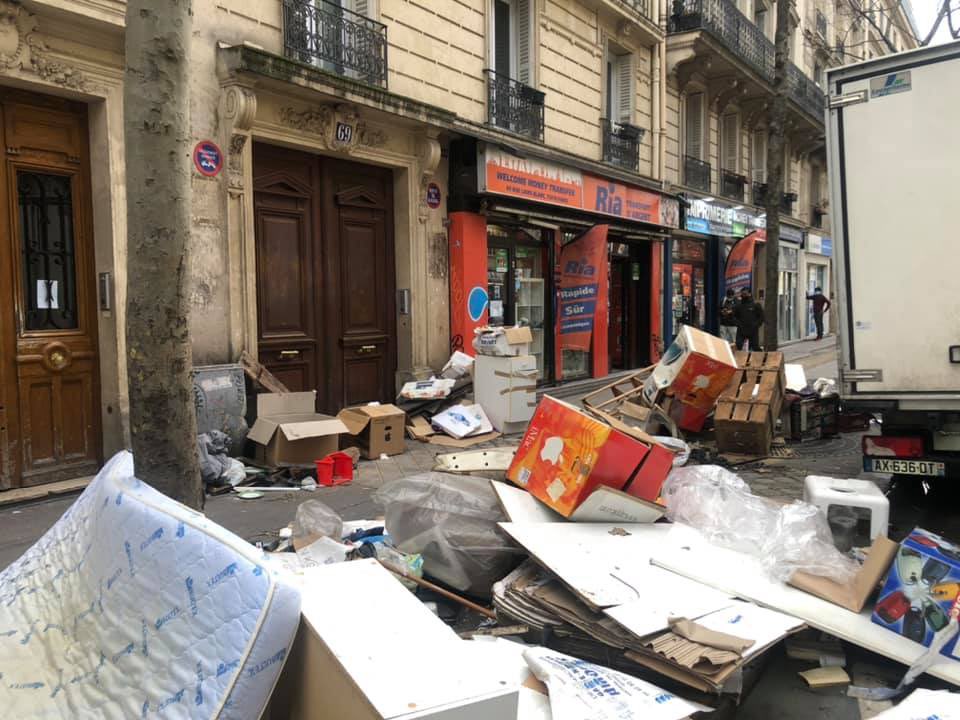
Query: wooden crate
x=748 y=409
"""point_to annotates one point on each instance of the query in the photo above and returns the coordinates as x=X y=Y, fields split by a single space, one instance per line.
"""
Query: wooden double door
x=49 y=381
x=325 y=275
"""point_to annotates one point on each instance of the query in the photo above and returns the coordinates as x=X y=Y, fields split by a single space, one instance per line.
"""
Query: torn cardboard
x=376 y=429
x=289 y=431
x=853 y=595
x=503 y=341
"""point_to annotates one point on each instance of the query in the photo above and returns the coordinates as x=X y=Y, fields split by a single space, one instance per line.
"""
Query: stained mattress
x=134 y=606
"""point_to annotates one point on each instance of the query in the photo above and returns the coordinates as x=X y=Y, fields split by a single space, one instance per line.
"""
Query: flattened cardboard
x=823 y=677
x=854 y=595
x=289 y=431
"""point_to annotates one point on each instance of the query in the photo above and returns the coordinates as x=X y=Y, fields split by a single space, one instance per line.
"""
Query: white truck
x=893 y=146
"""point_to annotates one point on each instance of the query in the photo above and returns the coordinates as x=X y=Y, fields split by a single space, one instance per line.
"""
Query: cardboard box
x=503 y=341
x=289 y=431
x=920 y=590
x=350 y=659
x=566 y=454
x=853 y=595
x=376 y=429
x=749 y=406
x=694 y=370
x=687 y=417
x=506 y=388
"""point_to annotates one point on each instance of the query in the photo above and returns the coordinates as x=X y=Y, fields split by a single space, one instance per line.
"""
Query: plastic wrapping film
x=316 y=518
x=452 y=521
x=134 y=606
x=785 y=538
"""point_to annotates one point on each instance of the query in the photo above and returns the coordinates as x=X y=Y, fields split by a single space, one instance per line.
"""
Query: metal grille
x=47 y=247
x=621 y=144
x=336 y=39
x=760 y=194
x=743 y=38
x=732 y=185
x=696 y=173
x=641 y=6
x=513 y=106
x=787 y=200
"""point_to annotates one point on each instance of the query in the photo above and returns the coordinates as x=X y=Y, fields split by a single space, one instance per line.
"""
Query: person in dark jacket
x=728 y=326
x=820 y=305
x=749 y=317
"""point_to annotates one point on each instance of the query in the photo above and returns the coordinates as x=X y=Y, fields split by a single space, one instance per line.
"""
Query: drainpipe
x=662 y=101
x=655 y=111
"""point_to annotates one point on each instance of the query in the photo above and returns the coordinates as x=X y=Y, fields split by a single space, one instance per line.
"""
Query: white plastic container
x=862 y=496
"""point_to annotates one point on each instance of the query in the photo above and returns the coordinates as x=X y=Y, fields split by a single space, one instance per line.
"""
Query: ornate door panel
x=49 y=382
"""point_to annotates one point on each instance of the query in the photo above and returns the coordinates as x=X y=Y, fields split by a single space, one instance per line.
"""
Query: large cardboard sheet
x=688 y=553
x=133 y=605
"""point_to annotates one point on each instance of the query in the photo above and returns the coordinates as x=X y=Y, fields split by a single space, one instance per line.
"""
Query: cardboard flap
x=852 y=596
x=354 y=419
x=518 y=335
x=286 y=403
x=262 y=431
x=312 y=428
x=379 y=411
x=704 y=343
x=618 y=424
x=607 y=504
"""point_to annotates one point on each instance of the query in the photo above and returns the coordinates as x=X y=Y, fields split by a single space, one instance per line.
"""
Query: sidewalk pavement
x=797 y=351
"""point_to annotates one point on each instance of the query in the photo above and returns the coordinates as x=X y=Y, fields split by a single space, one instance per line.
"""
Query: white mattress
x=134 y=606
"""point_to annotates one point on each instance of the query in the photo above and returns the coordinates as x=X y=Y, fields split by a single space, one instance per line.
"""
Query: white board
x=603 y=564
x=675 y=596
x=522 y=507
x=688 y=553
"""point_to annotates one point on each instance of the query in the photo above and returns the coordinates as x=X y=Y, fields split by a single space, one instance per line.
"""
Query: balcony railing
x=641 y=6
x=621 y=144
x=513 y=106
x=722 y=20
x=786 y=200
x=732 y=185
x=335 y=39
x=696 y=173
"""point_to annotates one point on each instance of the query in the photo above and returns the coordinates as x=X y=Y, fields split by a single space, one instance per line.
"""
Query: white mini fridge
x=506 y=388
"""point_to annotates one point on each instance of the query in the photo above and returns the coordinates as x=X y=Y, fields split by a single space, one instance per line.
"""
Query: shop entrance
x=326 y=276
x=517 y=287
x=629 y=328
x=49 y=369
x=689 y=284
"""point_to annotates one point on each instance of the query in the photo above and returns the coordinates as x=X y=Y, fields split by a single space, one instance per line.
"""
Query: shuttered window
x=524 y=28
x=694 y=123
x=760 y=156
x=512 y=39
x=501 y=38
x=729 y=143
x=620 y=87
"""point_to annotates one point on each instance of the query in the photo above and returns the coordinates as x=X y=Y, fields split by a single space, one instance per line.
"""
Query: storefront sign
x=790 y=233
x=583 y=287
x=738 y=273
x=819 y=244
x=711 y=218
x=542 y=181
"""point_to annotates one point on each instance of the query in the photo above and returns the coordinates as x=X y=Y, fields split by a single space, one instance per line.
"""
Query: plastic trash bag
x=825 y=387
x=451 y=520
x=720 y=505
x=315 y=518
x=678 y=446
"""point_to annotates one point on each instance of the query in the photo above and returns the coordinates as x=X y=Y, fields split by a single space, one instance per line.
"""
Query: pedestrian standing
x=728 y=324
x=820 y=305
x=749 y=316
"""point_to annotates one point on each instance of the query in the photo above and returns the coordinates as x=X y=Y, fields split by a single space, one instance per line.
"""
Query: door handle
x=289 y=354
x=366 y=349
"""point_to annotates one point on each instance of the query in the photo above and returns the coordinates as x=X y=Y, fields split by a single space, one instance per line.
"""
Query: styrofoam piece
x=827 y=491
x=133 y=605
x=604 y=505
x=402 y=658
x=796 y=376
x=688 y=553
x=603 y=564
x=469 y=461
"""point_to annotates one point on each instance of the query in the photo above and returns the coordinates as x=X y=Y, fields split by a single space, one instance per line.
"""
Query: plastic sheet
x=452 y=521
x=315 y=518
x=788 y=538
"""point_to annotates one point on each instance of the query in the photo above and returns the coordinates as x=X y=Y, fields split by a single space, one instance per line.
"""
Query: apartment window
x=759 y=164
x=730 y=143
x=760 y=15
x=693 y=135
x=620 y=85
x=511 y=39
x=816 y=186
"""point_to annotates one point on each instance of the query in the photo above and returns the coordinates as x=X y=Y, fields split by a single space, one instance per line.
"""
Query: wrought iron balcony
x=723 y=21
x=732 y=185
x=786 y=200
x=621 y=144
x=513 y=106
x=336 y=39
x=641 y=6
x=786 y=203
x=696 y=173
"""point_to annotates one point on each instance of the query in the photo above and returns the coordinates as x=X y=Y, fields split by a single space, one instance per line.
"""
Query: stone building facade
x=360 y=201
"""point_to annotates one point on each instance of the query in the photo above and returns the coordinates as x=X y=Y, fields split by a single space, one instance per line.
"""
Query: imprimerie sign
x=712 y=218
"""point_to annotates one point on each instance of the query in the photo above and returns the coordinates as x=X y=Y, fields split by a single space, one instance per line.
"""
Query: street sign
x=208 y=158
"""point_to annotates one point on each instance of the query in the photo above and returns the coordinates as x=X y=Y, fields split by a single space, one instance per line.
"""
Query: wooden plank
x=260 y=375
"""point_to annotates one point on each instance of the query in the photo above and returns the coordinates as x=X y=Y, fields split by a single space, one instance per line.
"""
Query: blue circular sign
x=477 y=303
x=208 y=158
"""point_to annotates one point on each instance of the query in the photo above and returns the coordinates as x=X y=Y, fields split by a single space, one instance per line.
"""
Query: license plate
x=904 y=467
